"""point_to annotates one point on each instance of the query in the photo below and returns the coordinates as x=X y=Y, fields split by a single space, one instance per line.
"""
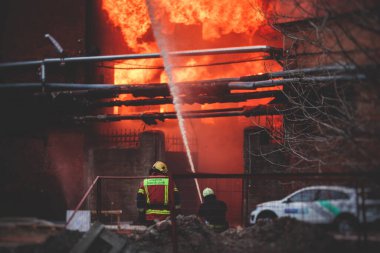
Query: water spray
x=162 y=45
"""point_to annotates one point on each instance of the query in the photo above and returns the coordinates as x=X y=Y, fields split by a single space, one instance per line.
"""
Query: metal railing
x=287 y=182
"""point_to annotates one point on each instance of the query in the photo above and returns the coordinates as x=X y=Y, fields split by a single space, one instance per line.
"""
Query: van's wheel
x=266 y=217
x=346 y=224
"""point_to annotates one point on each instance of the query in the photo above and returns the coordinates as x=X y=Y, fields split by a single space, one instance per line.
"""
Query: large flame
x=216 y=18
x=210 y=23
x=186 y=25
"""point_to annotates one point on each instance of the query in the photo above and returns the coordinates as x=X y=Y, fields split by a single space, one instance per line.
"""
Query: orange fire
x=215 y=18
x=188 y=25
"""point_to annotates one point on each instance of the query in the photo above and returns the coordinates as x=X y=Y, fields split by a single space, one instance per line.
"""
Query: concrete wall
x=41 y=164
x=41 y=176
x=120 y=161
x=22 y=36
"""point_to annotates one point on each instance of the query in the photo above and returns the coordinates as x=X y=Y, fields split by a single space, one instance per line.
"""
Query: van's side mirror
x=287 y=200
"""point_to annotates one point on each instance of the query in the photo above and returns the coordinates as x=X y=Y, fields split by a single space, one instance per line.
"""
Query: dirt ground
x=283 y=235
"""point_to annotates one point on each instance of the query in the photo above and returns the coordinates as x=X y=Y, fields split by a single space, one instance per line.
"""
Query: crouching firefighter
x=213 y=211
x=153 y=197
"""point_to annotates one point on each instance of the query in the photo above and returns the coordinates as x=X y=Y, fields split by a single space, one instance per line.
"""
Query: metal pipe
x=294 y=72
x=43 y=76
x=271 y=83
x=300 y=72
x=372 y=176
x=230 y=82
x=199 y=52
x=150 y=118
x=173 y=217
x=82 y=200
x=55 y=43
x=364 y=213
x=71 y=86
x=236 y=97
x=99 y=200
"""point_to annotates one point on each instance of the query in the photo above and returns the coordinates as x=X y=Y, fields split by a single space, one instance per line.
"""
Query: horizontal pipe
x=235 y=97
x=319 y=69
x=283 y=175
x=199 y=52
x=234 y=85
x=213 y=82
x=301 y=72
x=260 y=175
x=150 y=118
x=64 y=86
x=271 y=83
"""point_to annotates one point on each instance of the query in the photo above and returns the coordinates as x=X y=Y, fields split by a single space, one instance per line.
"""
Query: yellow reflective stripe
x=177 y=206
x=156 y=181
x=166 y=194
x=146 y=191
x=155 y=211
x=141 y=191
x=175 y=189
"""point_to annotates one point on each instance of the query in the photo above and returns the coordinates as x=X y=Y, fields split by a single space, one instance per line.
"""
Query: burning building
x=145 y=126
x=209 y=87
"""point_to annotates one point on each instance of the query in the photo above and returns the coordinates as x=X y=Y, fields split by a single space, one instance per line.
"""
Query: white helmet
x=207 y=191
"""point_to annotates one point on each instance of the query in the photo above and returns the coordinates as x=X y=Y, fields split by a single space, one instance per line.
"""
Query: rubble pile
x=282 y=235
x=61 y=242
x=192 y=236
x=279 y=236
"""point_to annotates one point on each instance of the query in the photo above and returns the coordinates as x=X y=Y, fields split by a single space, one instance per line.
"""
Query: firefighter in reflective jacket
x=153 y=197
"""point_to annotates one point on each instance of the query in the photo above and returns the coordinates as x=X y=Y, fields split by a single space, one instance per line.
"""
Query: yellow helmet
x=161 y=167
x=207 y=191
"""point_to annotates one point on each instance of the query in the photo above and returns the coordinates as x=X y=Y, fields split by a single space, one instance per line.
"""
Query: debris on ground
x=17 y=232
x=284 y=235
x=192 y=236
x=62 y=242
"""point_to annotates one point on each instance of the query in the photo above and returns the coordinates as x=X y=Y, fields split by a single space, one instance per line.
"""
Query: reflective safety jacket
x=154 y=197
